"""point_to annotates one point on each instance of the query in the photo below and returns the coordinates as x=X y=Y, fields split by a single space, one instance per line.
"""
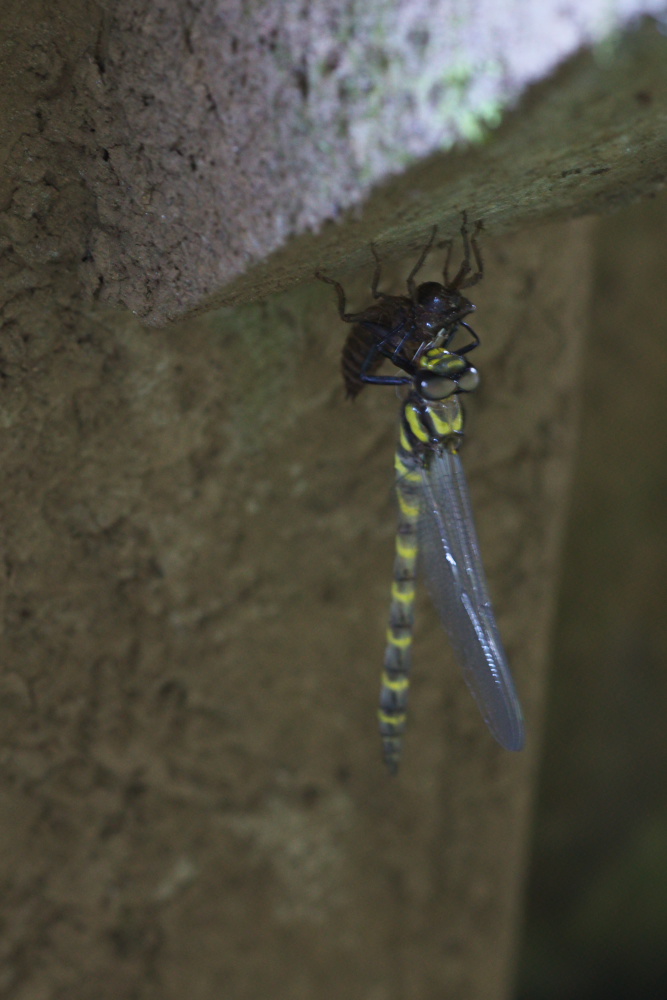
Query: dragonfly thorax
x=428 y=426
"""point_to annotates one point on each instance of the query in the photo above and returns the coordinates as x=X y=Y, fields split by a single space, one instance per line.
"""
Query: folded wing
x=451 y=561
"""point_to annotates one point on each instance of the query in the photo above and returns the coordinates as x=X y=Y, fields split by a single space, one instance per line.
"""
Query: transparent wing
x=454 y=573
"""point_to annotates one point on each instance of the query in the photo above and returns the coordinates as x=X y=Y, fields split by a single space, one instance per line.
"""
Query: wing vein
x=455 y=578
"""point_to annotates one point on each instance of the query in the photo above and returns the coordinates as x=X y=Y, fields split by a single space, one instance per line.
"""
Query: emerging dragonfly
x=435 y=517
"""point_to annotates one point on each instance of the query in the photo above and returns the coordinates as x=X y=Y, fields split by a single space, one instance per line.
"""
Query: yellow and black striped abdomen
x=398 y=655
x=423 y=428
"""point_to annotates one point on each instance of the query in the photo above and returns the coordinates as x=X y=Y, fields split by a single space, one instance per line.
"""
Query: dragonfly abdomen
x=398 y=654
x=422 y=428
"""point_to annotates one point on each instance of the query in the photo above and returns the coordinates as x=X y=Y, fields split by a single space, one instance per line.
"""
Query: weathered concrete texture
x=197 y=566
x=246 y=129
x=167 y=148
x=588 y=141
x=197 y=530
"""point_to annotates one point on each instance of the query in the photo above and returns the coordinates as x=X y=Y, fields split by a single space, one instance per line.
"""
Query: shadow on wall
x=596 y=920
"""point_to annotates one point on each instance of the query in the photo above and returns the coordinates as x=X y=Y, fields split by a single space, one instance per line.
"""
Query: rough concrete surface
x=230 y=128
x=197 y=529
x=197 y=573
x=169 y=149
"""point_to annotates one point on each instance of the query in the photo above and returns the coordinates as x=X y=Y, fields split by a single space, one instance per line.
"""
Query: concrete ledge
x=229 y=133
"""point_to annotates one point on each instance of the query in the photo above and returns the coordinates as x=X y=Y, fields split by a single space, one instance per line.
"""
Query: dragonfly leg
x=412 y=288
x=342 y=305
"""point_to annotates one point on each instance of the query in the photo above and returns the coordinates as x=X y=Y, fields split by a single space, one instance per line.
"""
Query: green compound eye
x=434 y=387
x=468 y=381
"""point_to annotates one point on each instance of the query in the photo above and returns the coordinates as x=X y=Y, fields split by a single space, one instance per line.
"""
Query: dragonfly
x=398 y=326
x=435 y=525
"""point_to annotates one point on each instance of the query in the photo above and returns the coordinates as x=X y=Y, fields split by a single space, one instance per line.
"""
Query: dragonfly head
x=441 y=374
x=441 y=309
